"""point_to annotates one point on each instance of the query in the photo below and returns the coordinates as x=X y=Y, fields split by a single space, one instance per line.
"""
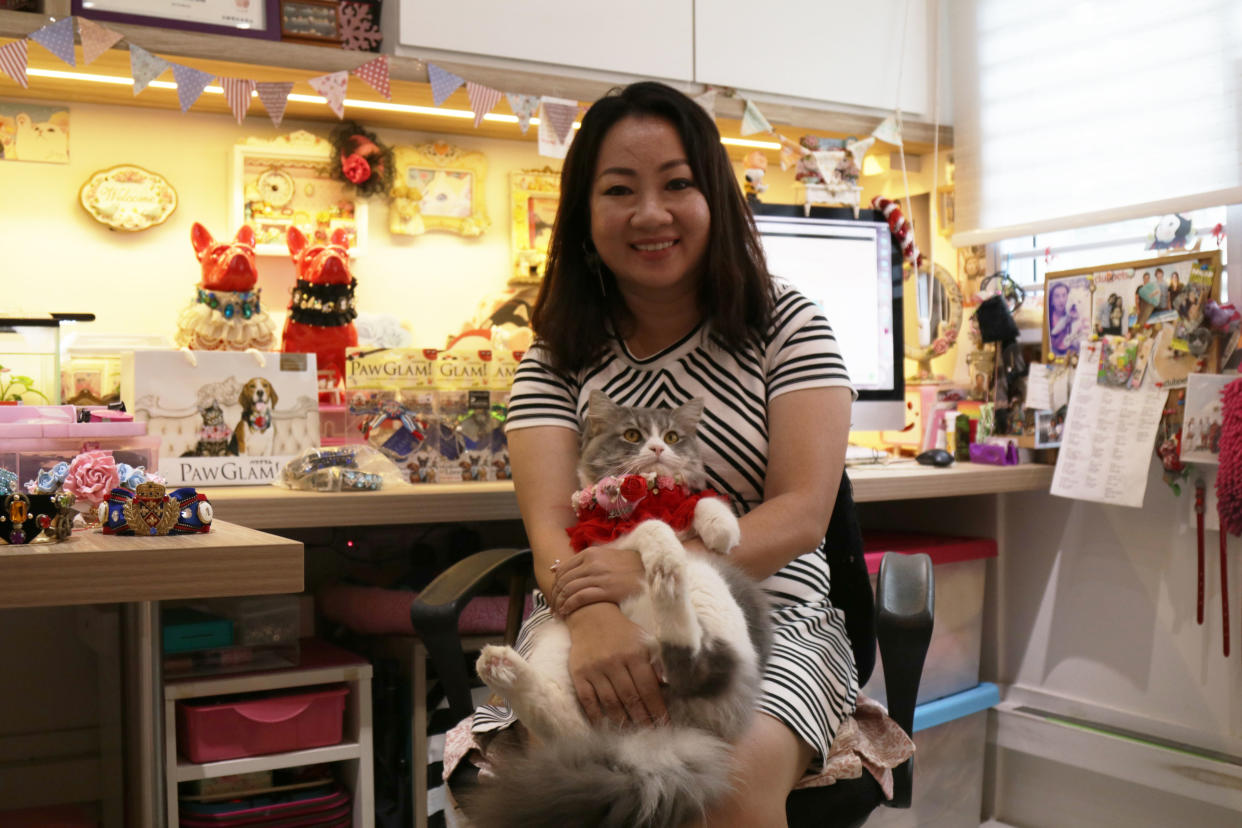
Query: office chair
x=902 y=624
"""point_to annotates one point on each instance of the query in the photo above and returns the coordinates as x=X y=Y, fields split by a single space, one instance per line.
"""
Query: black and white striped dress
x=810 y=682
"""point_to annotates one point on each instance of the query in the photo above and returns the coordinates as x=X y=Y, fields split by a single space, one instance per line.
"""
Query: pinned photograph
x=1116 y=304
x=1067 y=315
x=29 y=132
x=1048 y=427
x=1201 y=423
x=1117 y=359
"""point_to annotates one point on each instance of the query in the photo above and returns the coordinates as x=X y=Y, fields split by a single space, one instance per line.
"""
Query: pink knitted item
x=1229 y=475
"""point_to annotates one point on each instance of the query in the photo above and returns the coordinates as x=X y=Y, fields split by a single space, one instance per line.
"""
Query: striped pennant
x=96 y=39
x=57 y=38
x=190 y=84
x=443 y=83
x=561 y=113
x=482 y=100
x=332 y=86
x=13 y=61
x=274 y=96
x=375 y=73
x=237 y=93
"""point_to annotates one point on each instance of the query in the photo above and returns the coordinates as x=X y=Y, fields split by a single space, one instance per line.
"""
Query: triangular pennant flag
x=560 y=112
x=707 y=100
x=524 y=107
x=96 y=39
x=190 y=84
x=144 y=66
x=443 y=83
x=375 y=73
x=332 y=87
x=13 y=61
x=57 y=38
x=237 y=93
x=753 y=120
x=888 y=131
x=482 y=100
x=790 y=152
x=274 y=97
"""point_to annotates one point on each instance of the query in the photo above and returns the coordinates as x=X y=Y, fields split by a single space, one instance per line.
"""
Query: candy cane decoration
x=901 y=229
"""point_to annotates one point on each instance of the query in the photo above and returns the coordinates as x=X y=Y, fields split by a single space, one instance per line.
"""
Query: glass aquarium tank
x=30 y=356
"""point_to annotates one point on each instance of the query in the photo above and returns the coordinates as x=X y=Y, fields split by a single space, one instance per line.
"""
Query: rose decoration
x=91 y=476
x=355 y=168
x=633 y=488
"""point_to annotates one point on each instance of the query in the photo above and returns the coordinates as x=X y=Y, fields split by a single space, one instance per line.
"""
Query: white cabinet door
x=837 y=51
x=636 y=37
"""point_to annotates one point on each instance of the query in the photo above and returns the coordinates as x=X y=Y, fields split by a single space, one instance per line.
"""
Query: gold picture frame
x=533 y=199
x=438 y=186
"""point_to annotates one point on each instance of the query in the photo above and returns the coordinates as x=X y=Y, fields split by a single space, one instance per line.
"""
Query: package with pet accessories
x=500 y=386
x=464 y=425
x=390 y=392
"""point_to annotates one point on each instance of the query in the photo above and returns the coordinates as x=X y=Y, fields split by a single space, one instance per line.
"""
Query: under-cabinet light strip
x=384 y=106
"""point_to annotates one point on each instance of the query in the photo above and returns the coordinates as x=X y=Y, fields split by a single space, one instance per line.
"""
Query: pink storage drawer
x=255 y=726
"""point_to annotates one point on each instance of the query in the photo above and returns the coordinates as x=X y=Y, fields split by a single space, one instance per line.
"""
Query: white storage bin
x=960 y=567
x=950 y=738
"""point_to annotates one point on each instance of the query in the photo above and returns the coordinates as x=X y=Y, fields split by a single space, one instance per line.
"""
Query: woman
x=657 y=292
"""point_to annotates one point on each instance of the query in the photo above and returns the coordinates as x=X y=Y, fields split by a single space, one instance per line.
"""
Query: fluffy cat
x=708 y=631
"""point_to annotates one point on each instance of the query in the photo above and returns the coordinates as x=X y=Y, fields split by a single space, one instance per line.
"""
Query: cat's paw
x=499 y=667
x=716 y=525
x=666 y=573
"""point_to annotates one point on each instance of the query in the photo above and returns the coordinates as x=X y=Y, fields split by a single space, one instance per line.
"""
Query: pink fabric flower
x=91 y=476
x=666 y=482
x=607 y=492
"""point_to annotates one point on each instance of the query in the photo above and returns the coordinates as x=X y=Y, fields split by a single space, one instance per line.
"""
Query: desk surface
x=269 y=507
x=93 y=568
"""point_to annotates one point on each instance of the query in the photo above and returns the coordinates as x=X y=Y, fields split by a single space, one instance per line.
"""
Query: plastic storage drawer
x=216 y=729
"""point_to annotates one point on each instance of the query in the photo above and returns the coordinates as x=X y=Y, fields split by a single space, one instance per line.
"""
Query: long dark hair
x=575 y=316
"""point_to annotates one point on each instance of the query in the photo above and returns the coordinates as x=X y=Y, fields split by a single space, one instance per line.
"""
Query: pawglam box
x=225 y=418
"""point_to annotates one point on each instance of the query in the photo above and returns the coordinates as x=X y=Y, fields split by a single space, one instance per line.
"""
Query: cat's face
x=621 y=440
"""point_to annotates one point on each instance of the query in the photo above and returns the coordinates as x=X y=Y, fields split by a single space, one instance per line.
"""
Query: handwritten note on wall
x=1106 y=447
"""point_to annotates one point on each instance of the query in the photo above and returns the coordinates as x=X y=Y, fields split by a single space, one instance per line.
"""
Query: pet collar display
x=326 y=305
x=25 y=518
x=245 y=304
x=149 y=511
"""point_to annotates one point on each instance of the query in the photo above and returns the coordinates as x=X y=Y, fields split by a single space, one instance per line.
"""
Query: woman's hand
x=610 y=663
x=598 y=573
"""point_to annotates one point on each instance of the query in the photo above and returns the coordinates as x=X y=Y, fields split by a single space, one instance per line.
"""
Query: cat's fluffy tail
x=653 y=777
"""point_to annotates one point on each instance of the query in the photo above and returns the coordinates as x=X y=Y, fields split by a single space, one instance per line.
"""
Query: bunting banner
x=753 y=120
x=889 y=131
x=57 y=38
x=524 y=107
x=144 y=66
x=190 y=84
x=707 y=100
x=237 y=92
x=332 y=87
x=274 y=96
x=375 y=73
x=556 y=126
x=443 y=83
x=790 y=152
x=96 y=39
x=13 y=61
x=483 y=99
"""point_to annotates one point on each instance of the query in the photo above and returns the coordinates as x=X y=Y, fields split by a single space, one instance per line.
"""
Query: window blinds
x=1076 y=112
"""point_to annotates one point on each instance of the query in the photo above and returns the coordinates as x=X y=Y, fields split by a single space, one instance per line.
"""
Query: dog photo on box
x=224 y=418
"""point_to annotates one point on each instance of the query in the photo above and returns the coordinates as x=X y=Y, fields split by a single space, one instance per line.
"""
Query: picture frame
x=438 y=186
x=311 y=21
x=533 y=199
x=1113 y=299
x=287 y=181
x=257 y=18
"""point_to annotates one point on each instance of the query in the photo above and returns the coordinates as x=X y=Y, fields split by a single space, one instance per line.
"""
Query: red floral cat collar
x=615 y=505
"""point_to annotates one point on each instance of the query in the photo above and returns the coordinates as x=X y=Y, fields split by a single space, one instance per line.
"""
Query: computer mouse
x=935 y=457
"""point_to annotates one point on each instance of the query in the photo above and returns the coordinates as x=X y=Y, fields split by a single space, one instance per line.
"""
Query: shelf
x=271 y=60
x=187 y=771
x=319 y=663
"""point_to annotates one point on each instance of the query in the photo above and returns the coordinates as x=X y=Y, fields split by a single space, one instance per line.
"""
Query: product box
x=959 y=566
x=391 y=398
x=225 y=418
x=950 y=740
x=464 y=424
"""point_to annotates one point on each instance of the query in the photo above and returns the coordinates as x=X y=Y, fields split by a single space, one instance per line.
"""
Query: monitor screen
x=851 y=267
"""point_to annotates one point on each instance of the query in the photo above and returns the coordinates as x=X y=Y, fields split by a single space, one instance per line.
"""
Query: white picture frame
x=317 y=201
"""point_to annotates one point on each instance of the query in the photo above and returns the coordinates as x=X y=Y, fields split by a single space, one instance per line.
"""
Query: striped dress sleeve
x=541 y=395
x=800 y=350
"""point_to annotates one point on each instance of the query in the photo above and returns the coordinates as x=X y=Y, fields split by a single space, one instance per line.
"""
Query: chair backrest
x=851 y=585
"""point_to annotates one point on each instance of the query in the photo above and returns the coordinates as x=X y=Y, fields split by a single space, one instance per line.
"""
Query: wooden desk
x=269 y=507
x=139 y=572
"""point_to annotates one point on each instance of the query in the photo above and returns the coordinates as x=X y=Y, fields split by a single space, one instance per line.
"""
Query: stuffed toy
x=1171 y=233
x=321 y=310
x=225 y=314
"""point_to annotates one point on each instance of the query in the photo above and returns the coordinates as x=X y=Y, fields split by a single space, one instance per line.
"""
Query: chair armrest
x=435 y=612
x=905 y=609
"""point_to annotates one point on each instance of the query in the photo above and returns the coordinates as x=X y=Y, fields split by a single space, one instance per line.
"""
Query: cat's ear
x=688 y=415
x=600 y=410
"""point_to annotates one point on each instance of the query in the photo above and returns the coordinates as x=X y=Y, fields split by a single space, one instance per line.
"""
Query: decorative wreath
x=902 y=230
x=360 y=160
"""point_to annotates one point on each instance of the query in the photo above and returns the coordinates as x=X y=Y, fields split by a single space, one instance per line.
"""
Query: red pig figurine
x=321 y=310
x=225 y=314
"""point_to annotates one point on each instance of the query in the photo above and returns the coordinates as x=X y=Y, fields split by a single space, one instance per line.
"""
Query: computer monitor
x=851 y=267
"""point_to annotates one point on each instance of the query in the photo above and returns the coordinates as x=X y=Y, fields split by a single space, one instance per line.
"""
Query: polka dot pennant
x=375 y=73
x=57 y=38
